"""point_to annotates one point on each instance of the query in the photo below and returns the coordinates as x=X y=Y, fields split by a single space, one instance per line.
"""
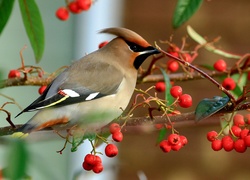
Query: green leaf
x=240 y=83
x=199 y=39
x=208 y=107
x=168 y=96
x=5 y=11
x=207 y=66
x=161 y=135
x=77 y=141
x=184 y=10
x=195 y=36
x=34 y=26
x=17 y=160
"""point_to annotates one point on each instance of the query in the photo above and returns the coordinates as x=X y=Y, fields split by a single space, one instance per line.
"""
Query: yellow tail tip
x=19 y=135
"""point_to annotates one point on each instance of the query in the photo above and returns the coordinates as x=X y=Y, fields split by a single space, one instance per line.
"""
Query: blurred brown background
x=138 y=153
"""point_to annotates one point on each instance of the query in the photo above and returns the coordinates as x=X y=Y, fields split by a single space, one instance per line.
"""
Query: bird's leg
x=65 y=144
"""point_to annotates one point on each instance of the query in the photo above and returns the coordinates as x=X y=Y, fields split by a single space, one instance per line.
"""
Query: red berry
x=238 y=120
x=175 y=112
x=248 y=76
x=177 y=147
x=160 y=86
x=183 y=140
x=84 y=4
x=174 y=139
x=165 y=146
x=90 y=159
x=247 y=140
x=176 y=91
x=220 y=65
x=173 y=50
x=185 y=101
x=172 y=65
x=229 y=83
x=159 y=126
x=42 y=89
x=111 y=150
x=98 y=168
x=114 y=127
x=212 y=135
x=87 y=166
x=247 y=116
x=62 y=13
x=92 y=162
x=240 y=146
x=235 y=130
x=216 y=145
x=102 y=44
x=244 y=133
x=187 y=57
x=117 y=136
x=227 y=143
x=14 y=73
x=176 y=54
x=73 y=7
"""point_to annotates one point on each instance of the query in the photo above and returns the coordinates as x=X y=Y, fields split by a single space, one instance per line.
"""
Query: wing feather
x=91 y=80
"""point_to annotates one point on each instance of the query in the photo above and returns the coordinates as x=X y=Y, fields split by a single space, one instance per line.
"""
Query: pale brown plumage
x=94 y=90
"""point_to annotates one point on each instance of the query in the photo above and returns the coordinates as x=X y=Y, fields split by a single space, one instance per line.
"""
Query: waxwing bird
x=94 y=90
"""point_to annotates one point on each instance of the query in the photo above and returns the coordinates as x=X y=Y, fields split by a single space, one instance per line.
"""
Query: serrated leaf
x=184 y=10
x=168 y=96
x=17 y=160
x=161 y=135
x=199 y=39
x=34 y=26
x=5 y=12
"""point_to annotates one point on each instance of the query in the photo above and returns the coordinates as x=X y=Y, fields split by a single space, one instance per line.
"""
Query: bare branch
x=186 y=119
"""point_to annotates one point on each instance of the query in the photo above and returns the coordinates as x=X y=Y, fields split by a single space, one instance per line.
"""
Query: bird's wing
x=87 y=82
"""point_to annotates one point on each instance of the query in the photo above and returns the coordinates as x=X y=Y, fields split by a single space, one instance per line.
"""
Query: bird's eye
x=134 y=47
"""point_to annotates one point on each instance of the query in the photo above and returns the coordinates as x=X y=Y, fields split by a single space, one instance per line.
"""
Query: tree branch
x=39 y=81
x=185 y=119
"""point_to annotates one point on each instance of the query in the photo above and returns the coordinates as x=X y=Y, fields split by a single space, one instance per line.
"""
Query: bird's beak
x=151 y=50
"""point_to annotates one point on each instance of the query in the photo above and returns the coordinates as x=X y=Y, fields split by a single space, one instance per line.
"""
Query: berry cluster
x=115 y=130
x=94 y=162
x=174 y=142
x=172 y=64
x=75 y=7
x=238 y=138
x=184 y=100
x=14 y=73
x=221 y=66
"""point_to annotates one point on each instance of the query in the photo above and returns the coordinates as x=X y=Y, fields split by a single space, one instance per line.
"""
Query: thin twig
x=202 y=73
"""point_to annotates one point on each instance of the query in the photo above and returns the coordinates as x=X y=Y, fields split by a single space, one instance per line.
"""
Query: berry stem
x=201 y=72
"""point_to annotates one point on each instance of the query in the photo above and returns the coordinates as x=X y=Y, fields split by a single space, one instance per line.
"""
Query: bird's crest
x=127 y=35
